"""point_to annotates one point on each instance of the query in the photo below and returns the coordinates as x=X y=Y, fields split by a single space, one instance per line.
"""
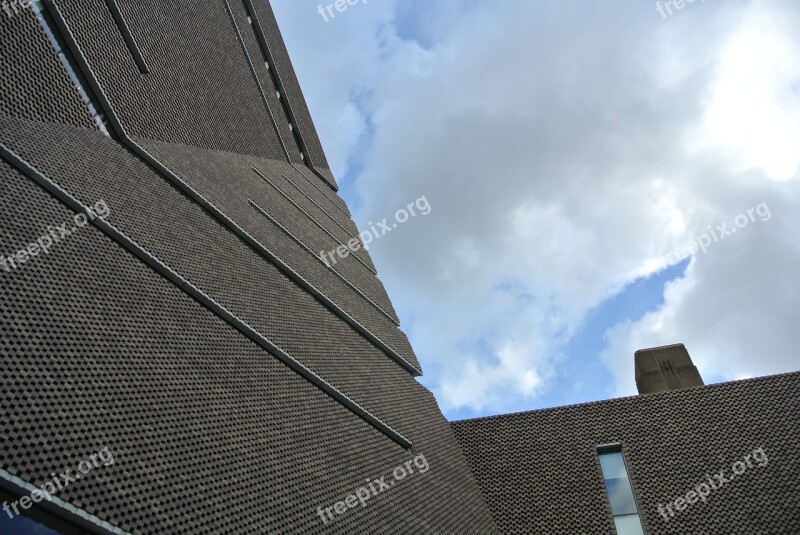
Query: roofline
x=626 y=398
x=670 y=346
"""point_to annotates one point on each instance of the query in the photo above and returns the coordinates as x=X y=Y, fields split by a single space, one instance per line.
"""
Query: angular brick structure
x=241 y=383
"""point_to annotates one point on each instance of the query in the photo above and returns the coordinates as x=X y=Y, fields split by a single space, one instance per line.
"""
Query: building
x=183 y=353
x=716 y=459
x=170 y=331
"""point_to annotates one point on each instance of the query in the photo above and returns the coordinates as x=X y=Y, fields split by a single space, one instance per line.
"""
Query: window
x=276 y=80
x=619 y=490
x=33 y=521
x=70 y=66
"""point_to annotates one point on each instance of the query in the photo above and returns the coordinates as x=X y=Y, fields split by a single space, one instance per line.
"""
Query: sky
x=599 y=177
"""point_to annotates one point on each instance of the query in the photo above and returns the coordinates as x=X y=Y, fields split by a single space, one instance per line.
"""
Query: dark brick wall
x=266 y=80
x=540 y=473
x=228 y=180
x=295 y=95
x=33 y=84
x=209 y=433
x=200 y=90
x=182 y=235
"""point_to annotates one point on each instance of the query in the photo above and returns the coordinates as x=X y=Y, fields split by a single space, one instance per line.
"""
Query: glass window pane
x=33 y=521
x=613 y=465
x=620 y=496
x=22 y=525
x=69 y=65
x=628 y=525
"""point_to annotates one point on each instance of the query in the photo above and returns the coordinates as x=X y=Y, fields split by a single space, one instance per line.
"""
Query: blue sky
x=571 y=153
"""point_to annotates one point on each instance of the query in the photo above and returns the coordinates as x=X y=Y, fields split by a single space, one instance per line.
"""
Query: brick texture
x=210 y=433
x=540 y=473
x=33 y=83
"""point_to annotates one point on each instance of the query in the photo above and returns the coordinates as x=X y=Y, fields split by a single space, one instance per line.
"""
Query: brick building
x=178 y=358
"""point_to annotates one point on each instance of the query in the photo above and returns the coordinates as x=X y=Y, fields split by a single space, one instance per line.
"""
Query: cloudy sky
x=602 y=178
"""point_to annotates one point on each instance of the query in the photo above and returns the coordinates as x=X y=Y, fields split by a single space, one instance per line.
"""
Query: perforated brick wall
x=33 y=83
x=229 y=181
x=199 y=91
x=540 y=473
x=209 y=433
x=295 y=95
x=183 y=236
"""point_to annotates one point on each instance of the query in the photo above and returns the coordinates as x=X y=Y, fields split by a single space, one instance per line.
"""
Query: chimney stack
x=665 y=368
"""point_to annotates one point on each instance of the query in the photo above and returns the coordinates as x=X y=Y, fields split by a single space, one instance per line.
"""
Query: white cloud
x=566 y=152
x=753 y=112
x=735 y=309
